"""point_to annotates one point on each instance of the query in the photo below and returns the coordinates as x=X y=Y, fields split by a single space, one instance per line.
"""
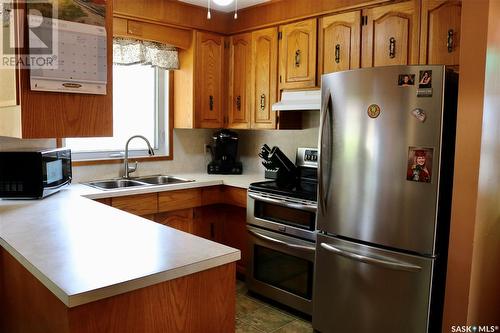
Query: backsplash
x=189 y=155
x=287 y=140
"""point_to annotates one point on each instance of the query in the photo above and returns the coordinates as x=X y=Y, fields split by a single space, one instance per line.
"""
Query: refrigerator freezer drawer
x=361 y=289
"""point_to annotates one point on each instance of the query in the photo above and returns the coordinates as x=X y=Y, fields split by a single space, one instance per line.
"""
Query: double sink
x=114 y=184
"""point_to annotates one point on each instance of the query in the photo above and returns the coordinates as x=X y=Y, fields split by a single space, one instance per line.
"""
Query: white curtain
x=127 y=51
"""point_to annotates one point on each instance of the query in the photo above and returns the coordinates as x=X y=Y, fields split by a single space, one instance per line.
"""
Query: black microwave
x=34 y=173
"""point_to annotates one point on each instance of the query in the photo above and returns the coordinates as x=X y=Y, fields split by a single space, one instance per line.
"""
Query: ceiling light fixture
x=222 y=3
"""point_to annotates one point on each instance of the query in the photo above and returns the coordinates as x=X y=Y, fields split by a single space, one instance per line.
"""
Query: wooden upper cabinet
x=263 y=77
x=298 y=55
x=209 y=75
x=339 y=42
x=390 y=35
x=440 y=43
x=240 y=61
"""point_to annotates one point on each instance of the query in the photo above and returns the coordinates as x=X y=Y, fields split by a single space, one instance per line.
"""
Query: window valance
x=128 y=51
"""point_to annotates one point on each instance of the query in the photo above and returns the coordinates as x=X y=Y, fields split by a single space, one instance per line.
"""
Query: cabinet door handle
x=262 y=102
x=337 y=53
x=449 y=42
x=297 y=58
x=392 y=47
x=211 y=102
x=212 y=231
x=238 y=103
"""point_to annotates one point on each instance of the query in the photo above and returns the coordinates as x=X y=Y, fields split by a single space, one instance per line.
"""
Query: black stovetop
x=302 y=189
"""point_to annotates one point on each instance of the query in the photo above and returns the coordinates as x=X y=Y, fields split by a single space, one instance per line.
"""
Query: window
x=140 y=106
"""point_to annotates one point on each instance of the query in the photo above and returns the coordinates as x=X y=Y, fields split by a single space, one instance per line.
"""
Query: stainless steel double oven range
x=281 y=222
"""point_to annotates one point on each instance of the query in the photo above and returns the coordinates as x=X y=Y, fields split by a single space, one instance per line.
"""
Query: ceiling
x=228 y=8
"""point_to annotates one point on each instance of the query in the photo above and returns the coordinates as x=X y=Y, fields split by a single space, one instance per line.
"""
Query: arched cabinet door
x=298 y=55
x=339 y=42
x=390 y=35
x=240 y=61
x=440 y=32
x=209 y=59
x=263 y=77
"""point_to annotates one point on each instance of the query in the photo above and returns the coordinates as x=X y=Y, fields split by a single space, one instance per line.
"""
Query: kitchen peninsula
x=70 y=264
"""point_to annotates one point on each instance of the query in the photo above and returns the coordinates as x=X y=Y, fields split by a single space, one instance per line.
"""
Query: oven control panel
x=307 y=157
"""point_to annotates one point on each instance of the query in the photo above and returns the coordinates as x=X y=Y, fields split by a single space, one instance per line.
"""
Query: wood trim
x=171 y=118
x=201 y=302
x=280 y=12
x=173 y=13
x=155 y=32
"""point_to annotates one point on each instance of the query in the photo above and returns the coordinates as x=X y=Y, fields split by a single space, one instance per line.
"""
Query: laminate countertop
x=83 y=251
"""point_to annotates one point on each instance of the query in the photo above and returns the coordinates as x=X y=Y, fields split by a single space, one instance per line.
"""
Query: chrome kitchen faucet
x=128 y=169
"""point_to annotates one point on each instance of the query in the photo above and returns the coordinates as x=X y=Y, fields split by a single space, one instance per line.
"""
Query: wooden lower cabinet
x=199 y=302
x=234 y=234
x=209 y=222
x=179 y=219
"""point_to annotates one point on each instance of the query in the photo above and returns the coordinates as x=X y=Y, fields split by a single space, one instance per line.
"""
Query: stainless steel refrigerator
x=384 y=198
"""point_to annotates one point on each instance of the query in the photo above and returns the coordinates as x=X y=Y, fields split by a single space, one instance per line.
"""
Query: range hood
x=299 y=100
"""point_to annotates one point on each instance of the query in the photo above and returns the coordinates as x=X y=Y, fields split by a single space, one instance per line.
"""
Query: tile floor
x=253 y=315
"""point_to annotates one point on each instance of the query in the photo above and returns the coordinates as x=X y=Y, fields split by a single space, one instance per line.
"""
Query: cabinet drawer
x=175 y=200
x=142 y=204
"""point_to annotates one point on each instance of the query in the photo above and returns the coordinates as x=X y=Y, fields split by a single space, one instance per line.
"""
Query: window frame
x=165 y=144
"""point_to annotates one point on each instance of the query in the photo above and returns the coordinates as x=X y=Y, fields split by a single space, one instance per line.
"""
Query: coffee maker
x=224 y=150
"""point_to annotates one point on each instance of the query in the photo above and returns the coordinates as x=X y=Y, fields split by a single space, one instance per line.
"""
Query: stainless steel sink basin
x=146 y=181
x=162 y=180
x=115 y=184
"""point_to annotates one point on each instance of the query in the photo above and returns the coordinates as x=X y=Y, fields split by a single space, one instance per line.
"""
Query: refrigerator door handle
x=395 y=265
x=321 y=167
x=280 y=242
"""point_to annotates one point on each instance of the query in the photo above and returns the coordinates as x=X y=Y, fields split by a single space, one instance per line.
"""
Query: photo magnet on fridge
x=425 y=80
x=419 y=164
x=406 y=80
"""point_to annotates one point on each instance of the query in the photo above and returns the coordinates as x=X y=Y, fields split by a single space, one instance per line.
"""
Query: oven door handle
x=280 y=242
x=307 y=207
x=396 y=265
